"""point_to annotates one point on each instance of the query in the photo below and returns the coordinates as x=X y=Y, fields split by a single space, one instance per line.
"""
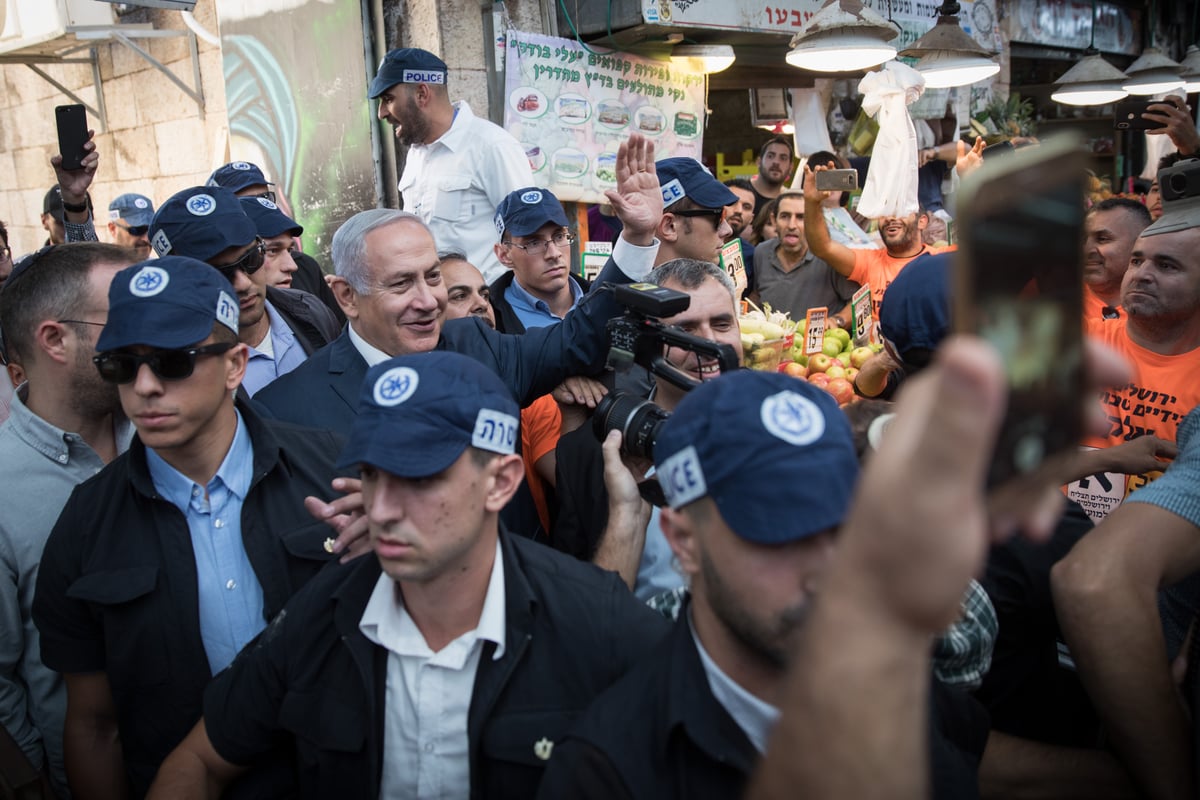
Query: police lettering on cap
x=407 y=65
x=170 y=302
x=200 y=223
x=682 y=177
x=418 y=413
x=747 y=438
x=525 y=211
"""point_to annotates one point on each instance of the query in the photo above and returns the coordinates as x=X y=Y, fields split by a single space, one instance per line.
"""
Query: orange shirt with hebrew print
x=878 y=268
x=1093 y=306
x=1163 y=390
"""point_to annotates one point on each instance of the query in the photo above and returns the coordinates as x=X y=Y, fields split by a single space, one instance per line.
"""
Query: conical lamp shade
x=843 y=36
x=947 y=56
x=1153 y=73
x=1091 y=82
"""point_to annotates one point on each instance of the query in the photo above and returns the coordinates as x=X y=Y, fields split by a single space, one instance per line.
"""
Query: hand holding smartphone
x=1019 y=285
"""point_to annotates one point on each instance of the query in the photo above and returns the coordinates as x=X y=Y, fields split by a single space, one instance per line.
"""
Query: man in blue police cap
x=176 y=554
x=459 y=166
x=243 y=179
x=755 y=559
x=449 y=664
x=281 y=326
x=278 y=232
x=535 y=244
x=693 y=223
x=129 y=222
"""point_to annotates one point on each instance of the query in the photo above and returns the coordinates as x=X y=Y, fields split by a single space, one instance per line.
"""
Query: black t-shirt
x=1032 y=689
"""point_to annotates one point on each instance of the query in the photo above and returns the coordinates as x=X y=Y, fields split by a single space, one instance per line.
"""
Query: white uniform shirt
x=455 y=184
x=429 y=694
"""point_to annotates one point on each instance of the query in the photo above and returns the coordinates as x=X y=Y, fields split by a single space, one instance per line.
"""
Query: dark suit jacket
x=314 y=325
x=323 y=391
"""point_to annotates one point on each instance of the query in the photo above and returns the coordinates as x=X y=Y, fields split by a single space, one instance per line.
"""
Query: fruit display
x=766 y=336
x=834 y=368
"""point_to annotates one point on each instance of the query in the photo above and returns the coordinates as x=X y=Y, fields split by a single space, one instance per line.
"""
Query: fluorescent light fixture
x=1153 y=73
x=1091 y=82
x=1191 y=69
x=843 y=36
x=947 y=56
x=703 y=57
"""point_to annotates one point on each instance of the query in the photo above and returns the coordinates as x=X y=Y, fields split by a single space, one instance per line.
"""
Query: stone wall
x=156 y=142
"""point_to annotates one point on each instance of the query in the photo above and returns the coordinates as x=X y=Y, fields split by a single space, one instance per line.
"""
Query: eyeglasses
x=269 y=195
x=717 y=214
x=535 y=247
x=80 y=322
x=249 y=263
x=134 y=230
x=170 y=365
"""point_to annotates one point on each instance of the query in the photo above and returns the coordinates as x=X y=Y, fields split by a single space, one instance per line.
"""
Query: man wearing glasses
x=282 y=327
x=693 y=222
x=65 y=424
x=129 y=221
x=538 y=289
x=173 y=557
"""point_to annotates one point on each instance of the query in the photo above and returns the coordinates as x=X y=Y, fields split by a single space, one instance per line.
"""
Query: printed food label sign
x=571 y=109
x=860 y=305
x=814 y=337
x=733 y=263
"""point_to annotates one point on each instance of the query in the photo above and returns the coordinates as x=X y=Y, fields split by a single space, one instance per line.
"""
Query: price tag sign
x=593 y=258
x=860 y=306
x=814 y=336
x=733 y=263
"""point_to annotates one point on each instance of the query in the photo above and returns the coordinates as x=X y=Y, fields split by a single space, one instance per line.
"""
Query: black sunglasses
x=134 y=230
x=170 y=365
x=250 y=263
x=717 y=214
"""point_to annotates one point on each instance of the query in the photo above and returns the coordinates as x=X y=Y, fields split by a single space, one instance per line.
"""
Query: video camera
x=640 y=338
x=1180 y=187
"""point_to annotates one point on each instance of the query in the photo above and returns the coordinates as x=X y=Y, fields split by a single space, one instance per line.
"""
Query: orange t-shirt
x=1164 y=389
x=541 y=423
x=1093 y=306
x=879 y=269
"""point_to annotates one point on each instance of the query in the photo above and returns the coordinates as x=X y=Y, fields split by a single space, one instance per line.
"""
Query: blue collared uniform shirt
x=231 y=598
x=532 y=312
x=262 y=368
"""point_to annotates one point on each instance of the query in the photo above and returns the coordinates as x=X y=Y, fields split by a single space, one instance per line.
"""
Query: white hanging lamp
x=947 y=56
x=843 y=36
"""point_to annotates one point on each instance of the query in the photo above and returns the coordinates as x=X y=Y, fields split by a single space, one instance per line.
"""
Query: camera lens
x=639 y=422
x=1178 y=185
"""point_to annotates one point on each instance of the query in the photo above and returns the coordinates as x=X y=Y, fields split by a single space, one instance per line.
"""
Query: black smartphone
x=1019 y=285
x=72 y=134
x=837 y=180
x=1128 y=115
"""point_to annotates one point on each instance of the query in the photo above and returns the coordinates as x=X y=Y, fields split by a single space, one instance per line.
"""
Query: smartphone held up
x=72 y=134
x=1018 y=284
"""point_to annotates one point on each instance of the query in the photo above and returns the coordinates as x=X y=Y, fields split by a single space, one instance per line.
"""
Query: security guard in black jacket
x=451 y=662
x=167 y=561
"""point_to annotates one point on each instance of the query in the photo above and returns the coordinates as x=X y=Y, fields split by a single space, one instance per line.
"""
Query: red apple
x=841 y=389
x=819 y=362
x=794 y=369
x=818 y=379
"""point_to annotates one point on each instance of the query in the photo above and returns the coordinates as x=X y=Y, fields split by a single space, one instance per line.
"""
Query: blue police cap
x=407 y=65
x=915 y=312
x=418 y=413
x=268 y=219
x=682 y=177
x=525 y=211
x=135 y=209
x=237 y=175
x=783 y=469
x=169 y=302
x=199 y=223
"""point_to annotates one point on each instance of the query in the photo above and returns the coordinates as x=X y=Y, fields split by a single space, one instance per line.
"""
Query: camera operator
x=601 y=517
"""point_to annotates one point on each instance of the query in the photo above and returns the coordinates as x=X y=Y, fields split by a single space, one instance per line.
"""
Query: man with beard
x=459 y=166
x=708 y=697
x=877 y=266
x=1112 y=226
x=65 y=425
x=129 y=222
x=774 y=167
x=281 y=326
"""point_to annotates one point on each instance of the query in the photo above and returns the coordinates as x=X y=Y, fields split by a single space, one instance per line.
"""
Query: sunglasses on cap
x=249 y=263
x=170 y=365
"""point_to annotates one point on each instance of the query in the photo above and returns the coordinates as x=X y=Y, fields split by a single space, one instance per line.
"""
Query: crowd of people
x=410 y=529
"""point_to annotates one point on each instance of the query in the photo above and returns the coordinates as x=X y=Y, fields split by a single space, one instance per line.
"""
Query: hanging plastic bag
x=890 y=189
x=808 y=117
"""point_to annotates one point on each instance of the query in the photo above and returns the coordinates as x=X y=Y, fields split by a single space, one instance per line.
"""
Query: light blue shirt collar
x=535 y=312
x=235 y=472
